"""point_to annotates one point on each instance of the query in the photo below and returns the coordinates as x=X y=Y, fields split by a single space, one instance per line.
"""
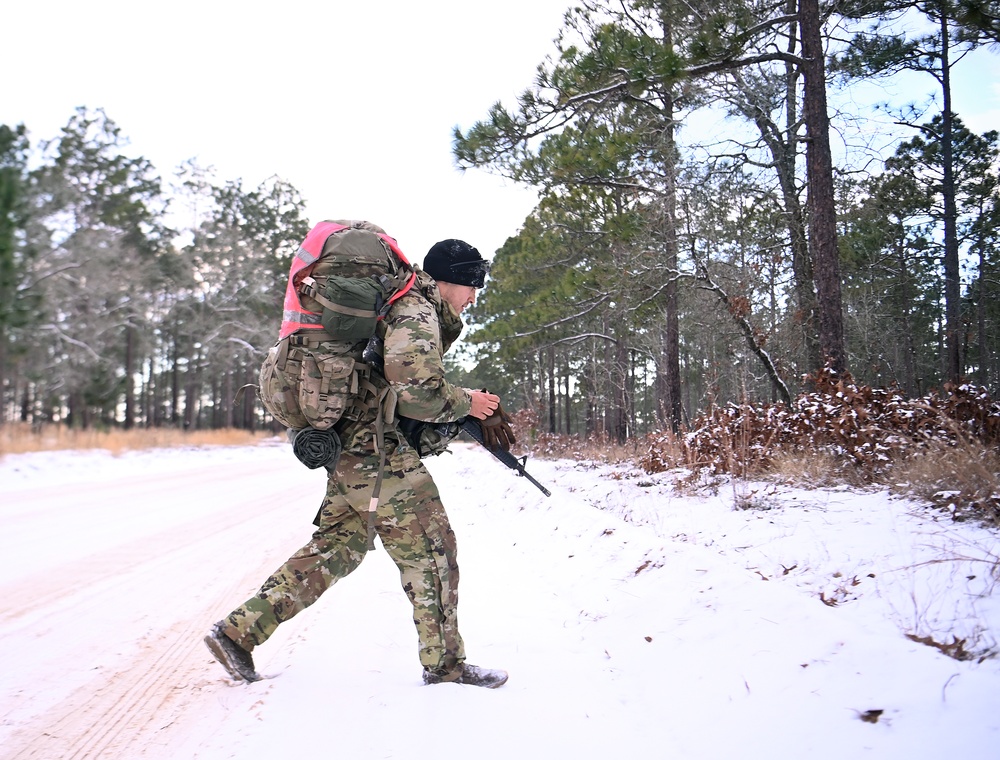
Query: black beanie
x=457 y=262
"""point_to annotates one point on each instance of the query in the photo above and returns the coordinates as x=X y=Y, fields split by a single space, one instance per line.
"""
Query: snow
x=638 y=616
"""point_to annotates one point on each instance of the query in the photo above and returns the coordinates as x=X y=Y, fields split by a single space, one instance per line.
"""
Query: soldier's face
x=459 y=296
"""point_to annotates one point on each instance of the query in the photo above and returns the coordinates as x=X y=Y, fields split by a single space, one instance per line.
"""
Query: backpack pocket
x=325 y=388
x=349 y=309
x=279 y=388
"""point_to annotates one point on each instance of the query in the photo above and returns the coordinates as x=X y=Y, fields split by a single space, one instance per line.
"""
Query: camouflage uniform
x=411 y=520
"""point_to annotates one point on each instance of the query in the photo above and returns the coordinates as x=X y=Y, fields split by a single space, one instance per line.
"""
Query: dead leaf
x=871 y=716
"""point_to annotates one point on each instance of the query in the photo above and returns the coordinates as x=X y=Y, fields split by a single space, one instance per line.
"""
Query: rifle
x=474 y=431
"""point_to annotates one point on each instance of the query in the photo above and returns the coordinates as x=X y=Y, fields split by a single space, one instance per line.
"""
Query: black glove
x=497 y=433
x=411 y=430
x=427 y=438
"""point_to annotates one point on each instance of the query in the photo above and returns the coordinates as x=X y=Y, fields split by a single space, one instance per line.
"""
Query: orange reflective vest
x=295 y=316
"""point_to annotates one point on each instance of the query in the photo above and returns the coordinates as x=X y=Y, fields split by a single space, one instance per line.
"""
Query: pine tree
x=958 y=28
x=15 y=308
x=99 y=212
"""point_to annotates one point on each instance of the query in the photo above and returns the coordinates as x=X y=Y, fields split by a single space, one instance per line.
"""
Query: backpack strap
x=411 y=276
x=399 y=292
x=309 y=287
x=386 y=416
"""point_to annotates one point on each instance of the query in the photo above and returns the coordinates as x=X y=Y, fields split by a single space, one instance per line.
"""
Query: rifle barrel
x=537 y=485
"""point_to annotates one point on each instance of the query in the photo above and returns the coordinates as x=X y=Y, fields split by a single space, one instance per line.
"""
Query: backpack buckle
x=308 y=287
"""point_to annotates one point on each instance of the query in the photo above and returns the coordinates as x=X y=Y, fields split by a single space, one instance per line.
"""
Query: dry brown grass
x=813 y=468
x=596 y=448
x=20 y=439
x=592 y=449
x=961 y=477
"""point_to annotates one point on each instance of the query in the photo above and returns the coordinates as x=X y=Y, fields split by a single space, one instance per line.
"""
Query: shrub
x=940 y=447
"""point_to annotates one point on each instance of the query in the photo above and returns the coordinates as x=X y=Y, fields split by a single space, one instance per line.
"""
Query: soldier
x=410 y=519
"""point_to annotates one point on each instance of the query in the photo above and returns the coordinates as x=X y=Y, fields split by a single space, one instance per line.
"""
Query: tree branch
x=564 y=320
x=738 y=63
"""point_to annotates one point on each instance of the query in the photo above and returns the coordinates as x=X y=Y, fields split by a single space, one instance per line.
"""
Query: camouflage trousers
x=413 y=527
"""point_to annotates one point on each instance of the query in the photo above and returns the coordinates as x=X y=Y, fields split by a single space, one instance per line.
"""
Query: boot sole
x=496 y=685
x=220 y=654
x=483 y=684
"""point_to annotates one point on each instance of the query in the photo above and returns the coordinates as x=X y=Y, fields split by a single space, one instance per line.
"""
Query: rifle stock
x=475 y=432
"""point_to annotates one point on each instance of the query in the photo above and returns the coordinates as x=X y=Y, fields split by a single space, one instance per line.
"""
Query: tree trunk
x=175 y=381
x=909 y=373
x=553 y=428
x=783 y=146
x=982 y=371
x=129 y=421
x=590 y=392
x=530 y=400
x=192 y=393
x=819 y=172
x=620 y=381
x=3 y=377
x=670 y=408
x=802 y=268
x=227 y=399
x=952 y=281
x=568 y=405
x=26 y=415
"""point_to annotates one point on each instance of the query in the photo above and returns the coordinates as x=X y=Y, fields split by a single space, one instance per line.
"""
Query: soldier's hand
x=497 y=432
x=483 y=404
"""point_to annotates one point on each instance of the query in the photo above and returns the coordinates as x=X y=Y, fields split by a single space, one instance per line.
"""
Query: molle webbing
x=310 y=339
x=365 y=394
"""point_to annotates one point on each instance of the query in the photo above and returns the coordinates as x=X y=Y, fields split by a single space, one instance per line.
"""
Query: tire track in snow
x=138 y=702
x=63 y=582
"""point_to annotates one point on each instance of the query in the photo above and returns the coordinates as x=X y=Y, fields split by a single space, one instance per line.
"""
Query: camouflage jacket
x=419 y=330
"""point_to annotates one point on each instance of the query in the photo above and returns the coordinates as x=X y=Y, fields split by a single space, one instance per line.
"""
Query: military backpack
x=342 y=281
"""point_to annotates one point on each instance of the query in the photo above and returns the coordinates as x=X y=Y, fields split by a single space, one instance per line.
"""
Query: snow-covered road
x=635 y=621
x=107 y=589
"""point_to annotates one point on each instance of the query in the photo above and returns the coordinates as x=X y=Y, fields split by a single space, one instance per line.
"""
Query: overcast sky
x=352 y=102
